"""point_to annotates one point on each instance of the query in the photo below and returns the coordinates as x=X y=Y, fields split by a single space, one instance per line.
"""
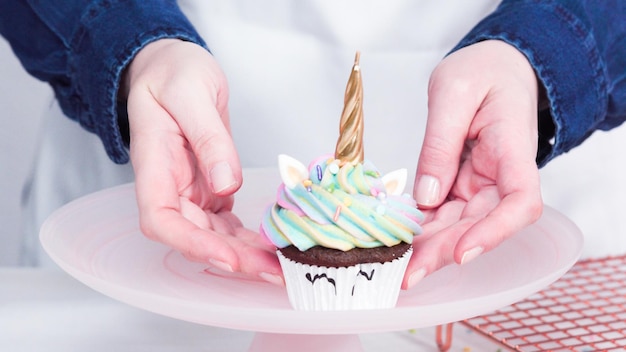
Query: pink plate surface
x=97 y=240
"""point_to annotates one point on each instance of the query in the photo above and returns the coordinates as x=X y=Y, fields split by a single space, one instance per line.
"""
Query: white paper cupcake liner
x=361 y=286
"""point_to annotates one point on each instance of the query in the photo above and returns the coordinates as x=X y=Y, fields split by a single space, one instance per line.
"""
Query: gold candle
x=349 y=147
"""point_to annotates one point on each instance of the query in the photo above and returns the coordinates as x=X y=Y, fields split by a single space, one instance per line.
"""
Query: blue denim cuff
x=110 y=34
x=562 y=50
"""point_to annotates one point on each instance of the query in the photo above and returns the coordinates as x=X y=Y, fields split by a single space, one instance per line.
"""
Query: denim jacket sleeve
x=81 y=47
x=578 y=51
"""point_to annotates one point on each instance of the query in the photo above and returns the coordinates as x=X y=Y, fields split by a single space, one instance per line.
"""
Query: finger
x=243 y=234
x=446 y=132
x=433 y=249
x=194 y=214
x=256 y=240
x=204 y=120
x=232 y=219
x=220 y=223
x=254 y=260
x=258 y=260
x=520 y=206
x=200 y=245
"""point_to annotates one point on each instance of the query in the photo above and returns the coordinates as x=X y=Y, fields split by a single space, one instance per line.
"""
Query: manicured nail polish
x=222 y=177
x=272 y=278
x=221 y=265
x=427 y=190
x=471 y=254
x=416 y=277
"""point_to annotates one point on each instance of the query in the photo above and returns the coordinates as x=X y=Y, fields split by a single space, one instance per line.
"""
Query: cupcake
x=343 y=231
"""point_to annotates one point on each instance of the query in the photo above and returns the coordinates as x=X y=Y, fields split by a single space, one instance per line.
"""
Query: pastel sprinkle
x=319 y=172
x=337 y=213
x=347 y=201
x=374 y=192
x=333 y=168
x=382 y=196
x=372 y=173
x=331 y=188
x=380 y=209
x=307 y=183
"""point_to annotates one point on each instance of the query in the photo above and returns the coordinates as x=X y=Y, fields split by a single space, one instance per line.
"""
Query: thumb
x=204 y=121
x=447 y=130
x=215 y=151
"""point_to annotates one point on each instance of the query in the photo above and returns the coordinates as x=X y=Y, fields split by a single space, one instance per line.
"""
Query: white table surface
x=47 y=310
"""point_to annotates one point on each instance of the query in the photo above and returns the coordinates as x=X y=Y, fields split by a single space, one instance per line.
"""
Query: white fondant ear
x=292 y=171
x=395 y=182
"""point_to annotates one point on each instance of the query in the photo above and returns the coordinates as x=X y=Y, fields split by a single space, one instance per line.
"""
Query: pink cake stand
x=97 y=240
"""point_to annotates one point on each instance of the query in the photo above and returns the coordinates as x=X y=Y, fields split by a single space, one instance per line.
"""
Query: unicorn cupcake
x=343 y=231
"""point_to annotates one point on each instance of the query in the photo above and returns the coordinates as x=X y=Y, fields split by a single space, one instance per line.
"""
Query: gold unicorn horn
x=349 y=147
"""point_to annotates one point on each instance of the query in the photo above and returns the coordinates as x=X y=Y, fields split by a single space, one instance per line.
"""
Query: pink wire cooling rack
x=583 y=311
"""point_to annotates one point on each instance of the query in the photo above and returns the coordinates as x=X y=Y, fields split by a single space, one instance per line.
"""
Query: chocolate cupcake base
x=335 y=258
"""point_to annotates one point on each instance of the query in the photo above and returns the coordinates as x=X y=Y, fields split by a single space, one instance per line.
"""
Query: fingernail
x=222 y=177
x=221 y=265
x=416 y=277
x=427 y=190
x=471 y=254
x=272 y=278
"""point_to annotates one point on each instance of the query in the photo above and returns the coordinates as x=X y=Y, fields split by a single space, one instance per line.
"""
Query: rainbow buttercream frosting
x=340 y=205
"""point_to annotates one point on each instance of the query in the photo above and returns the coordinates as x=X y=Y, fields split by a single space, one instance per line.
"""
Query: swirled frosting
x=340 y=206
